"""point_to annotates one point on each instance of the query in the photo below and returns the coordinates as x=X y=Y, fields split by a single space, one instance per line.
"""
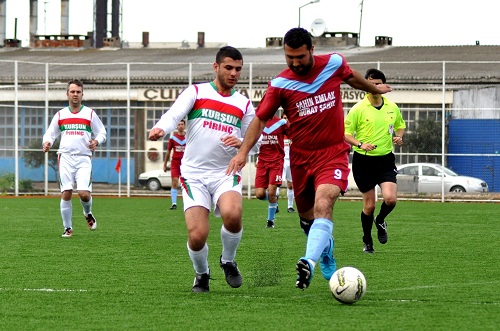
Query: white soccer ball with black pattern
x=348 y=285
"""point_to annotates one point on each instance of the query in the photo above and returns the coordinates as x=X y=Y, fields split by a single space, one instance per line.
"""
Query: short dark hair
x=375 y=74
x=228 y=51
x=75 y=82
x=297 y=37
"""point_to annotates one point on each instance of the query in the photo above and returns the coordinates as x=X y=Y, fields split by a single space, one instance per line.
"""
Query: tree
x=35 y=157
x=425 y=139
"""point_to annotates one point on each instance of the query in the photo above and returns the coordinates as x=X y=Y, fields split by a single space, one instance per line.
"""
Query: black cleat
x=304 y=273
x=368 y=248
x=291 y=210
x=201 y=283
x=232 y=273
x=174 y=206
x=270 y=225
x=381 y=231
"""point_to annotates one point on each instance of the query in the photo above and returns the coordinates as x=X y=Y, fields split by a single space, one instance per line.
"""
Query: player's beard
x=303 y=69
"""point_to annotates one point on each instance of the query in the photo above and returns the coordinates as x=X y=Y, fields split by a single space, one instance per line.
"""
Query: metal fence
x=130 y=98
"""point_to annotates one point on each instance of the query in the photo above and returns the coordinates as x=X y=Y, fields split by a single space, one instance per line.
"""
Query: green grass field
x=440 y=270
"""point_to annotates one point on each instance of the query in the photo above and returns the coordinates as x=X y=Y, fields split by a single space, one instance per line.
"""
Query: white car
x=429 y=179
x=155 y=180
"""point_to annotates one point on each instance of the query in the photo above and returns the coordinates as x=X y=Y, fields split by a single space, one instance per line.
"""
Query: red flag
x=118 y=166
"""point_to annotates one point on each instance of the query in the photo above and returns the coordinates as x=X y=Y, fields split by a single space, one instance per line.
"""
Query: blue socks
x=173 y=192
x=318 y=238
x=271 y=211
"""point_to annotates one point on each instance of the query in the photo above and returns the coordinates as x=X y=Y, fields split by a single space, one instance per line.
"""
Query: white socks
x=87 y=206
x=66 y=213
x=199 y=259
x=230 y=242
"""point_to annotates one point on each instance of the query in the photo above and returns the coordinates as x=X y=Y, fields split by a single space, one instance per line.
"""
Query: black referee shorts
x=369 y=171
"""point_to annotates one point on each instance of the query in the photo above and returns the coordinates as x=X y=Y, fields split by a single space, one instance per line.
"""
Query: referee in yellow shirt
x=372 y=127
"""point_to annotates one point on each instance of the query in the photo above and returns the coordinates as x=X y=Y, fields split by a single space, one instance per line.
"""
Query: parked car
x=429 y=178
x=155 y=180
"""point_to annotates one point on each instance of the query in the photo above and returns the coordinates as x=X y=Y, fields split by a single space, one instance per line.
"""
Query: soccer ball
x=348 y=285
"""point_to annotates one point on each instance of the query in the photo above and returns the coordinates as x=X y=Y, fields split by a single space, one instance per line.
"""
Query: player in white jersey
x=218 y=117
x=76 y=124
x=287 y=173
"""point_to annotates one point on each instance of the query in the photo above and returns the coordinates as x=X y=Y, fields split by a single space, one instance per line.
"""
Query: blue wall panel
x=476 y=136
x=103 y=171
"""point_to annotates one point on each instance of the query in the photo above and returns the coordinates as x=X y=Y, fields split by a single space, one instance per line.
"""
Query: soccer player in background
x=287 y=173
x=218 y=117
x=81 y=132
x=177 y=144
x=270 y=165
x=309 y=93
x=372 y=127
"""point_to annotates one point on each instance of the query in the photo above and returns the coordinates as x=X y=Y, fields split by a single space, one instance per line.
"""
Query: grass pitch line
x=492 y=303
x=423 y=287
x=41 y=290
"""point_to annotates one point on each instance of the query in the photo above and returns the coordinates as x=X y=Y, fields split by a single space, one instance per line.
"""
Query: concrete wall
x=477 y=104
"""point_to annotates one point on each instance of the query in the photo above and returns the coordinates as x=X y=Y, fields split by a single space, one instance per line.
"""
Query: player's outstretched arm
x=359 y=82
x=252 y=135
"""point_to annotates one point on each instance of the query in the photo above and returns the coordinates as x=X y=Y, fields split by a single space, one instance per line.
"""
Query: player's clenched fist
x=46 y=146
x=156 y=134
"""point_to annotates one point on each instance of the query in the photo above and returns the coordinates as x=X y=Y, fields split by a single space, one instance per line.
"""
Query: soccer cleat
x=270 y=224
x=91 y=221
x=381 y=231
x=174 y=206
x=68 y=232
x=305 y=272
x=201 y=283
x=232 y=273
x=368 y=248
x=327 y=261
x=291 y=210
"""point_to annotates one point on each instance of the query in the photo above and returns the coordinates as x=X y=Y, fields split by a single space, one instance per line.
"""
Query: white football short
x=75 y=169
x=205 y=192
x=287 y=172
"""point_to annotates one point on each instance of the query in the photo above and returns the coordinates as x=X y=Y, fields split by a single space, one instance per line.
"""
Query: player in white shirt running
x=76 y=124
x=287 y=173
x=217 y=117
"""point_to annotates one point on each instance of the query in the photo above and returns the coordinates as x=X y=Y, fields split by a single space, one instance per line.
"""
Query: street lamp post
x=360 y=20
x=307 y=4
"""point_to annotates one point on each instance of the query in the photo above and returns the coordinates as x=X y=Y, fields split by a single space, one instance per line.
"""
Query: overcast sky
x=247 y=23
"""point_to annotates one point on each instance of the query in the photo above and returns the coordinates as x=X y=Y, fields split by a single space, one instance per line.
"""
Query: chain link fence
x=450 y=121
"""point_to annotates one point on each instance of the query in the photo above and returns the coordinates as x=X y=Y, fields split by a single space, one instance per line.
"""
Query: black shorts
x=369 y=171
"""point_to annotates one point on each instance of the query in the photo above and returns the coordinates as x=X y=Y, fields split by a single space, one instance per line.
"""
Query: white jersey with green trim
x=210 y=116
x=76 y=130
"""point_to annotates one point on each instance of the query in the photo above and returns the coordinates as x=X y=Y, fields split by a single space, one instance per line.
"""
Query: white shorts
x=205 y=192
x=75 y=169
x=287 y=172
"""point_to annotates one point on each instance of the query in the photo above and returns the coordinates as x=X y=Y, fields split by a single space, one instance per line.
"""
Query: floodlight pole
x=360 y=20
x=307 y=4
